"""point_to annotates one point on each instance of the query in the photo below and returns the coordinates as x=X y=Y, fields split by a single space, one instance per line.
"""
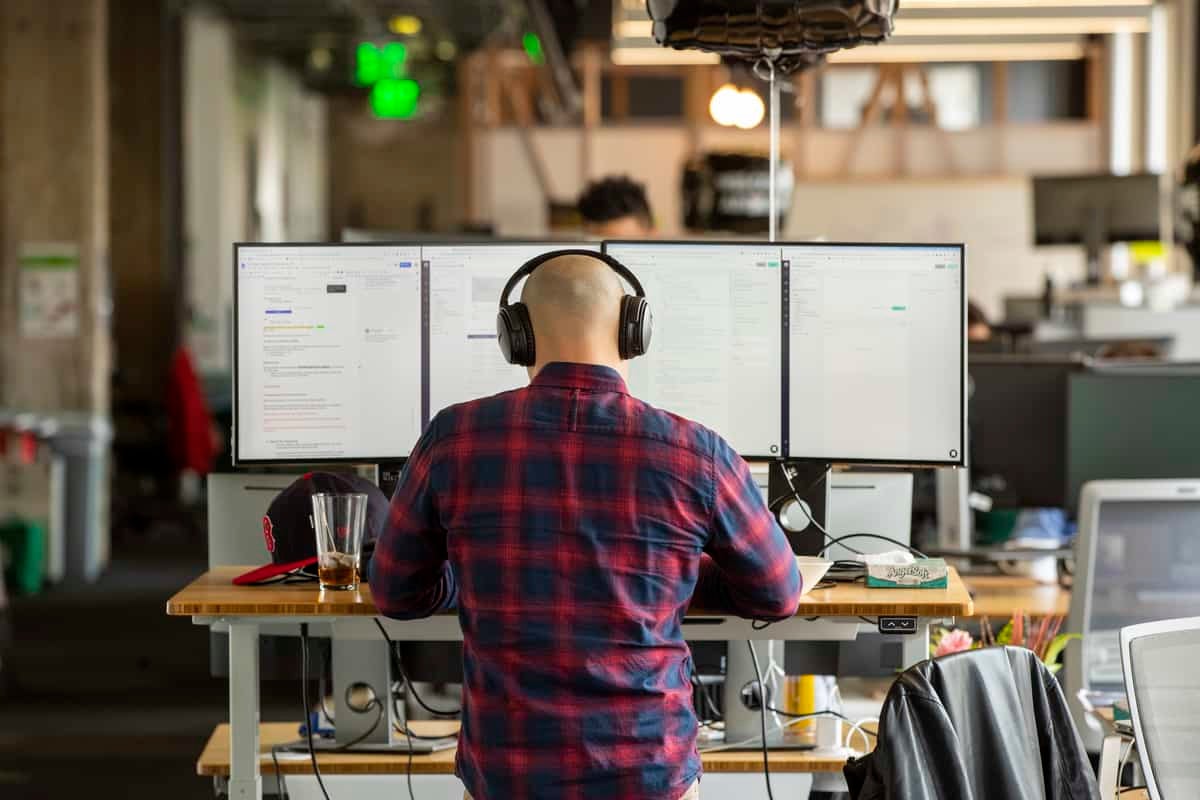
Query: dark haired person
x=616 y=208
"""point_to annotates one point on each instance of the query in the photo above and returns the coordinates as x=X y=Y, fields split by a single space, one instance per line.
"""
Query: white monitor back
x=869 y=502
x=1137 y=560
x=237 y=503
x=1159 y=660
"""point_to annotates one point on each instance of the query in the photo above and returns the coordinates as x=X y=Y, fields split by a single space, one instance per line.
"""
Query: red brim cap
x=270 y=572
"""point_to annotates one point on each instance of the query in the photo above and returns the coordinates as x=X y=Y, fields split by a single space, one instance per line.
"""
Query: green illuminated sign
x=393 y=98
x=373 y=63
x=533 y=48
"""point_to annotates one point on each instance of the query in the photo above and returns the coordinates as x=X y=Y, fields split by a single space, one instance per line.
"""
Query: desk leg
x=915 y=645
x=245 y=782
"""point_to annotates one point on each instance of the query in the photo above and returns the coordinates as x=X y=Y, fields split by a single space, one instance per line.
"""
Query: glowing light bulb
x=750 y=110
x=724 y=105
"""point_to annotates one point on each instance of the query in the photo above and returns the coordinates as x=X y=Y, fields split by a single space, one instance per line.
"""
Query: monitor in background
x=1094 y=210
x=463 y=359
x=715 y=356
x=1133 y=423
x=876 y=353
x=1018 y=422
x=327 y=348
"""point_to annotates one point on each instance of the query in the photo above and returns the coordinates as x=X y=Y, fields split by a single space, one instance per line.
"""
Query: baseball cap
x=288 y=533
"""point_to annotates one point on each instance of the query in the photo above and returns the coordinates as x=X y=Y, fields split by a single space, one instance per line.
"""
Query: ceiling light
x=750 y=110
x=405 y=25
x=320 y=59
x=446 y=50
x=725 y=105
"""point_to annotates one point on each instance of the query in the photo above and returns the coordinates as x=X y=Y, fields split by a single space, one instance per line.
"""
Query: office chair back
x=988 y=724
x=1137 y=559
x=1163 y=686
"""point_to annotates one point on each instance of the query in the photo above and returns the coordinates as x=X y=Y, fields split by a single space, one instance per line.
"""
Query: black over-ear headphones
x=514 y=330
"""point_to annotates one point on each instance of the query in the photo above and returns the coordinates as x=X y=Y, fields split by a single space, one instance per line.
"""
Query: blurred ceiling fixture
x=733 y=107
x=911 y=53
x=1020 y=26
x=320 y=59
x=446 y=50
x=405 y=25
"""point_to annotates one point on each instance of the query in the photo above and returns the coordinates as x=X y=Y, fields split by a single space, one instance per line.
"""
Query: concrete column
x=54 y=188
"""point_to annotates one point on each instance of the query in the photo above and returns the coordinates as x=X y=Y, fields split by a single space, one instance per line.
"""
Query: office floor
x=106 y=697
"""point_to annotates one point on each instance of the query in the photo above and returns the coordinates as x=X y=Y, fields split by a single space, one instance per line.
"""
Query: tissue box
x=924 y=573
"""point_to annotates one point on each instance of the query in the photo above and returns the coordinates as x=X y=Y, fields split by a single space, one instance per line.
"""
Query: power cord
x=830 y=540
x=308 y=727
x=399 y=664
x=762 y=719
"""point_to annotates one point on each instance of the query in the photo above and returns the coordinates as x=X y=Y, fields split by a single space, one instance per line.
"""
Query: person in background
x=616 y=208
x=978 y=327
x=572 y=525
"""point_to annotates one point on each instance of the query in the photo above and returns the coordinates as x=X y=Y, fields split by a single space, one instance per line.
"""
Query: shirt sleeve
x=410 y=576
x=748 y=567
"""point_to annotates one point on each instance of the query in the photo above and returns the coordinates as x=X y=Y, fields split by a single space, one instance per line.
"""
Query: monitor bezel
x=235 y=450
x=785 y=367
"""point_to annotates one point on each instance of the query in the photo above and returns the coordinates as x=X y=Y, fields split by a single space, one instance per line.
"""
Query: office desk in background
x=824 y=615
x=1002 y=596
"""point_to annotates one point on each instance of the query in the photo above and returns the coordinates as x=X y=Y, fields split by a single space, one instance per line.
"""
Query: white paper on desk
x=892 y=558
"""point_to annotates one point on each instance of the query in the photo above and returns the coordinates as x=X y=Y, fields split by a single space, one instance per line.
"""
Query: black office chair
x=987 y=724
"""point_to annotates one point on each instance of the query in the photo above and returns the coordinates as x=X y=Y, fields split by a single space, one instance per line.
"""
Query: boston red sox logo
x=269 y=534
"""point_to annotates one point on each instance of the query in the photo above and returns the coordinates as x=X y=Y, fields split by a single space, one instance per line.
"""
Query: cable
x=762 y=718
x=399 y=663
x=280 y=791
x=830 y=539
x=308 y=727
x=379 y=708
x=826 y=713
x=712 y=707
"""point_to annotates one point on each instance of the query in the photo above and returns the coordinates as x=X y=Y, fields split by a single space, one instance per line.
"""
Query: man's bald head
x=574 y=304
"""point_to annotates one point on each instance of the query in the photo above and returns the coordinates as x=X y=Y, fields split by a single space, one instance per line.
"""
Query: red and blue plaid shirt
x=571 y=525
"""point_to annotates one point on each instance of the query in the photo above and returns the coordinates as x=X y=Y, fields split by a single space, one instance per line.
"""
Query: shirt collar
x=591 y=377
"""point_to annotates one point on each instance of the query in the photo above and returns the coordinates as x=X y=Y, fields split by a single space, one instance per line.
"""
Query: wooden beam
x=1000 y=93
x=593 y=104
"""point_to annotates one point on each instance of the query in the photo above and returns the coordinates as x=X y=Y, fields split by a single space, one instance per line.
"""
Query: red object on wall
x=189 y=422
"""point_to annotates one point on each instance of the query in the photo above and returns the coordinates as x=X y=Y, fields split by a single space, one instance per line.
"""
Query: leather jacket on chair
x=988 y=724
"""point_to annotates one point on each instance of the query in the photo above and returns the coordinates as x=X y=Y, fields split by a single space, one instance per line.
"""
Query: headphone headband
x=529 y=266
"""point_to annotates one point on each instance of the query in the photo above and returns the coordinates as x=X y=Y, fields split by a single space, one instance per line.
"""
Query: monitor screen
x=876 y=352
x=465 y=281
x=1018 y=424
x=1108 y=208
x=715 y=355
x=1133 y=423
x=327 y=352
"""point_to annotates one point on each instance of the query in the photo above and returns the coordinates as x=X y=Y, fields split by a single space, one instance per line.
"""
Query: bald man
x=571 y=525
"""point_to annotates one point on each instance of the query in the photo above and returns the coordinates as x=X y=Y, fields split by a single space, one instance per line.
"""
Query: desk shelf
x=214 y=761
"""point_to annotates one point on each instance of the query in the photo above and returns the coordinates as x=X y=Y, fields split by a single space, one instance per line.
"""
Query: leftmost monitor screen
x=327 y=353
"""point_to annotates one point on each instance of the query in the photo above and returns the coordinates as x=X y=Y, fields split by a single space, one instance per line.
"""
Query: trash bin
x=84 y=443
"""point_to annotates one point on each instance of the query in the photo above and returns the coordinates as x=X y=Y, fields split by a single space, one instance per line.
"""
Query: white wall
x=235 y=106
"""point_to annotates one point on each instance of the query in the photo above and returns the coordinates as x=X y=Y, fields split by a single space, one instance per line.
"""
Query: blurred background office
x=142 y=138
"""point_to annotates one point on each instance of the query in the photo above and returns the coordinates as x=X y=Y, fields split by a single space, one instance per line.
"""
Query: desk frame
x=245 y=778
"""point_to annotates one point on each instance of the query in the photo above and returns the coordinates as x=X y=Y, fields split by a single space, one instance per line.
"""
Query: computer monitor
x=1094 y=210
x=327 y=352
x=876 y=353
x=715 y=355
x=1133 y=423
x=1018 y=424
x=462 y=360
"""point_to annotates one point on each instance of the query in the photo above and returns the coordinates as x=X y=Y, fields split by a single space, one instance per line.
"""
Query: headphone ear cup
x=524 y=351
x=505 y=335
x=636 y=327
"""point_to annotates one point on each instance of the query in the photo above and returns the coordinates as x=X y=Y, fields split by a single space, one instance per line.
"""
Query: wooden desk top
x=214 y=595
x=214 y=761
x=1001 y=596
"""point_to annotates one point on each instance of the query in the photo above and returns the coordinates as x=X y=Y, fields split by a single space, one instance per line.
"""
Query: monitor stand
x=743 y=723
x=810 y=482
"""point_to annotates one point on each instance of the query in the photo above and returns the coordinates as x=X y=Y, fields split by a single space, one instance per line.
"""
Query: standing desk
x=1002 y=596
x=833 y=614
